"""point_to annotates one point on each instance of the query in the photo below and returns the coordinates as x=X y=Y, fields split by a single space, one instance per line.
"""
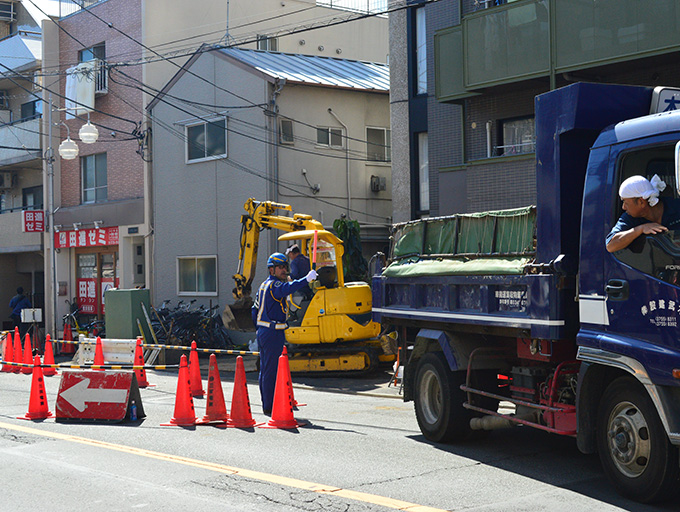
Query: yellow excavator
x=333 y=330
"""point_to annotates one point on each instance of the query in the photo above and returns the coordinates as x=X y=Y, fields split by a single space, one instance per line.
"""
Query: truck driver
x=644 y=212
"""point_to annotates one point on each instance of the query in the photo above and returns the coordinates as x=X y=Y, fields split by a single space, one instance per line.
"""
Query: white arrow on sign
x=79 y=393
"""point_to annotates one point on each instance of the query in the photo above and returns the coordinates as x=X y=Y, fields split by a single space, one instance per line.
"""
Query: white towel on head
x=639 y=186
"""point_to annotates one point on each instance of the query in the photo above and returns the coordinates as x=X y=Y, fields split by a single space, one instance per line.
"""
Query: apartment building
x=465 y=74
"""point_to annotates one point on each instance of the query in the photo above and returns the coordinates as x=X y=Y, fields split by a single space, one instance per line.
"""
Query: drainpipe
x=349 y=190
x=489 y=147
x=278 y=86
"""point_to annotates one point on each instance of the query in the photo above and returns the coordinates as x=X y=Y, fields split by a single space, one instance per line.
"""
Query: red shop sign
x=33 y=221
x=86 y=238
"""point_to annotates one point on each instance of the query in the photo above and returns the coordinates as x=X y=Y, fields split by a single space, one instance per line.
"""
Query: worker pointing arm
x=269 y=315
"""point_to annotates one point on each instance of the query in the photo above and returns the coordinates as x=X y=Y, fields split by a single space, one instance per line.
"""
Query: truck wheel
x=633 y=446
x=438 y=400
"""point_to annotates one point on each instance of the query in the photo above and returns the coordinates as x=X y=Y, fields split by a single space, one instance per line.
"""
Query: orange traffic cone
x=184 y=416
x=68 y=348
x=139 y=361
x=28 y=356
x=37 y=406
x=216 y=409
x=49 y=358
x=240 y=415
x=290 y=379
x=195 y=373
x=18 y=354
x=8 y=354
x=282 y=411
x=99 y=355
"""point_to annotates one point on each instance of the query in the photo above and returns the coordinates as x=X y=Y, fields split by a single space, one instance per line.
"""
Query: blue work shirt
x=299 y=266
x=18 y=303
x=270 y=309
x=670 y=218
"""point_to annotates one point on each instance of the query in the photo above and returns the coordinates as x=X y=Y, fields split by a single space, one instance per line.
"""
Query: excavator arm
x=259 y=216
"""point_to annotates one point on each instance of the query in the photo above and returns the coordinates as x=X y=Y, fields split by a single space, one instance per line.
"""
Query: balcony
x=536 y=38
x=24 y=133
x=12 y=237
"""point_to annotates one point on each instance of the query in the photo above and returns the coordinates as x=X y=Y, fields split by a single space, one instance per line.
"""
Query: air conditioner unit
x=5 y=180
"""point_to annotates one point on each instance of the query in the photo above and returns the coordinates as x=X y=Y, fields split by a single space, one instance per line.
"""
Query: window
x=286 y=132
x=197 y=275
x=94 y=52
x=421 y=52
x=267 y=43
x=94 y=178
x=31 y=109
x=207 y=140
x=517 y=136
x=331 y=137
x=32 y=198
x=378 y=142
x=656 y=255
x=423 y=174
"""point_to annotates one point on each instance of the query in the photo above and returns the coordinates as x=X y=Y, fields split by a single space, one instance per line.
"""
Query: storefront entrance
x=96 y=272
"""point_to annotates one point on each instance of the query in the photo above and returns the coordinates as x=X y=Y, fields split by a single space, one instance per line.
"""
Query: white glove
x=311 y=276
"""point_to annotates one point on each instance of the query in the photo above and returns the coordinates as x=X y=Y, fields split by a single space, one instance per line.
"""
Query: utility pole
x=49 y=156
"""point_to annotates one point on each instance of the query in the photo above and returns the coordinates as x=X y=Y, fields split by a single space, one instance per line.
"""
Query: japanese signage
x=662 y=313
x=88 y=298
x=86 y=238
x=33 y=221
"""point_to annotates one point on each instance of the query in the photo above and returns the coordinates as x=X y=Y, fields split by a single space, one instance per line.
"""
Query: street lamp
x=88 y=133
x=68 y=149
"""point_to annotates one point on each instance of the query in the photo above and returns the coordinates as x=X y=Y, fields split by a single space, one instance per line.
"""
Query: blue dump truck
x=526 y=308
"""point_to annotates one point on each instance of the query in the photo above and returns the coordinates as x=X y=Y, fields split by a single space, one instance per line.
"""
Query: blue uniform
x=670 y=218
x=269 y=315
x=299 y=266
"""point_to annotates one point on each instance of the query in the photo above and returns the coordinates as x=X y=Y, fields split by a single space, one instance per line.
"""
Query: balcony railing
x=515 y=41
x=363 y=6
x=12 y=235
x=67 y=7
x=24 y=135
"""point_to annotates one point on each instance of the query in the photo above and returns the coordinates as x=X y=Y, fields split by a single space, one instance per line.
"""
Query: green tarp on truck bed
x=495 y=242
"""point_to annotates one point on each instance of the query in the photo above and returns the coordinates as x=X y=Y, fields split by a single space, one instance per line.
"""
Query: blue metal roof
x=313 y=70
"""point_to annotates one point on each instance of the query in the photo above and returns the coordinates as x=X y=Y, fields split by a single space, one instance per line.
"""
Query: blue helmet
x=277 y=259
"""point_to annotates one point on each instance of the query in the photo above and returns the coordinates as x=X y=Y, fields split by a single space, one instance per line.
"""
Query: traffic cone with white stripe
x=215 y=409
x=195 y=373
x=49 y=358
x=37 y=406
x=290 y=380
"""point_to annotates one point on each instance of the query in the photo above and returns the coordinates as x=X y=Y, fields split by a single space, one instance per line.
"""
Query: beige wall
x=171 y=20
x=328 y=166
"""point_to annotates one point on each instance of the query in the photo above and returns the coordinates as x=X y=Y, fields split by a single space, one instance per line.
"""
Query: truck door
x=642 y=281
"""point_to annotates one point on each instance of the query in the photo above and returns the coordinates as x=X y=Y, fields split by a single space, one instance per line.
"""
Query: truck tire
x=633 y=446
x=438 y=400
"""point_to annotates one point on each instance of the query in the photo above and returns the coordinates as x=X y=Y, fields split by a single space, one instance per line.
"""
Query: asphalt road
x=361 y=451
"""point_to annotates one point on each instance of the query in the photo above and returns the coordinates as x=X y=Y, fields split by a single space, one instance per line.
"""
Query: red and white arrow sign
x=93 y=395
x=80 y=393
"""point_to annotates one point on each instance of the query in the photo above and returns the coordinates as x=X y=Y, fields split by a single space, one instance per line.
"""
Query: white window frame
x=421 y=51
x=96 y=186
x=181 y=293
x=282 y=140
x=330 y=129
x=205 y=122
x=267 y=43
x=387 y=145
x=423 y=173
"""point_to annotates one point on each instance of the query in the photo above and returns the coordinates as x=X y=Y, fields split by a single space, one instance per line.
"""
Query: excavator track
x=344 y=359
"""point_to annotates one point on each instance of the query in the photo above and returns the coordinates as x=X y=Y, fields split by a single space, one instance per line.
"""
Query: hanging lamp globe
x=68 y=149
x=88 y=133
